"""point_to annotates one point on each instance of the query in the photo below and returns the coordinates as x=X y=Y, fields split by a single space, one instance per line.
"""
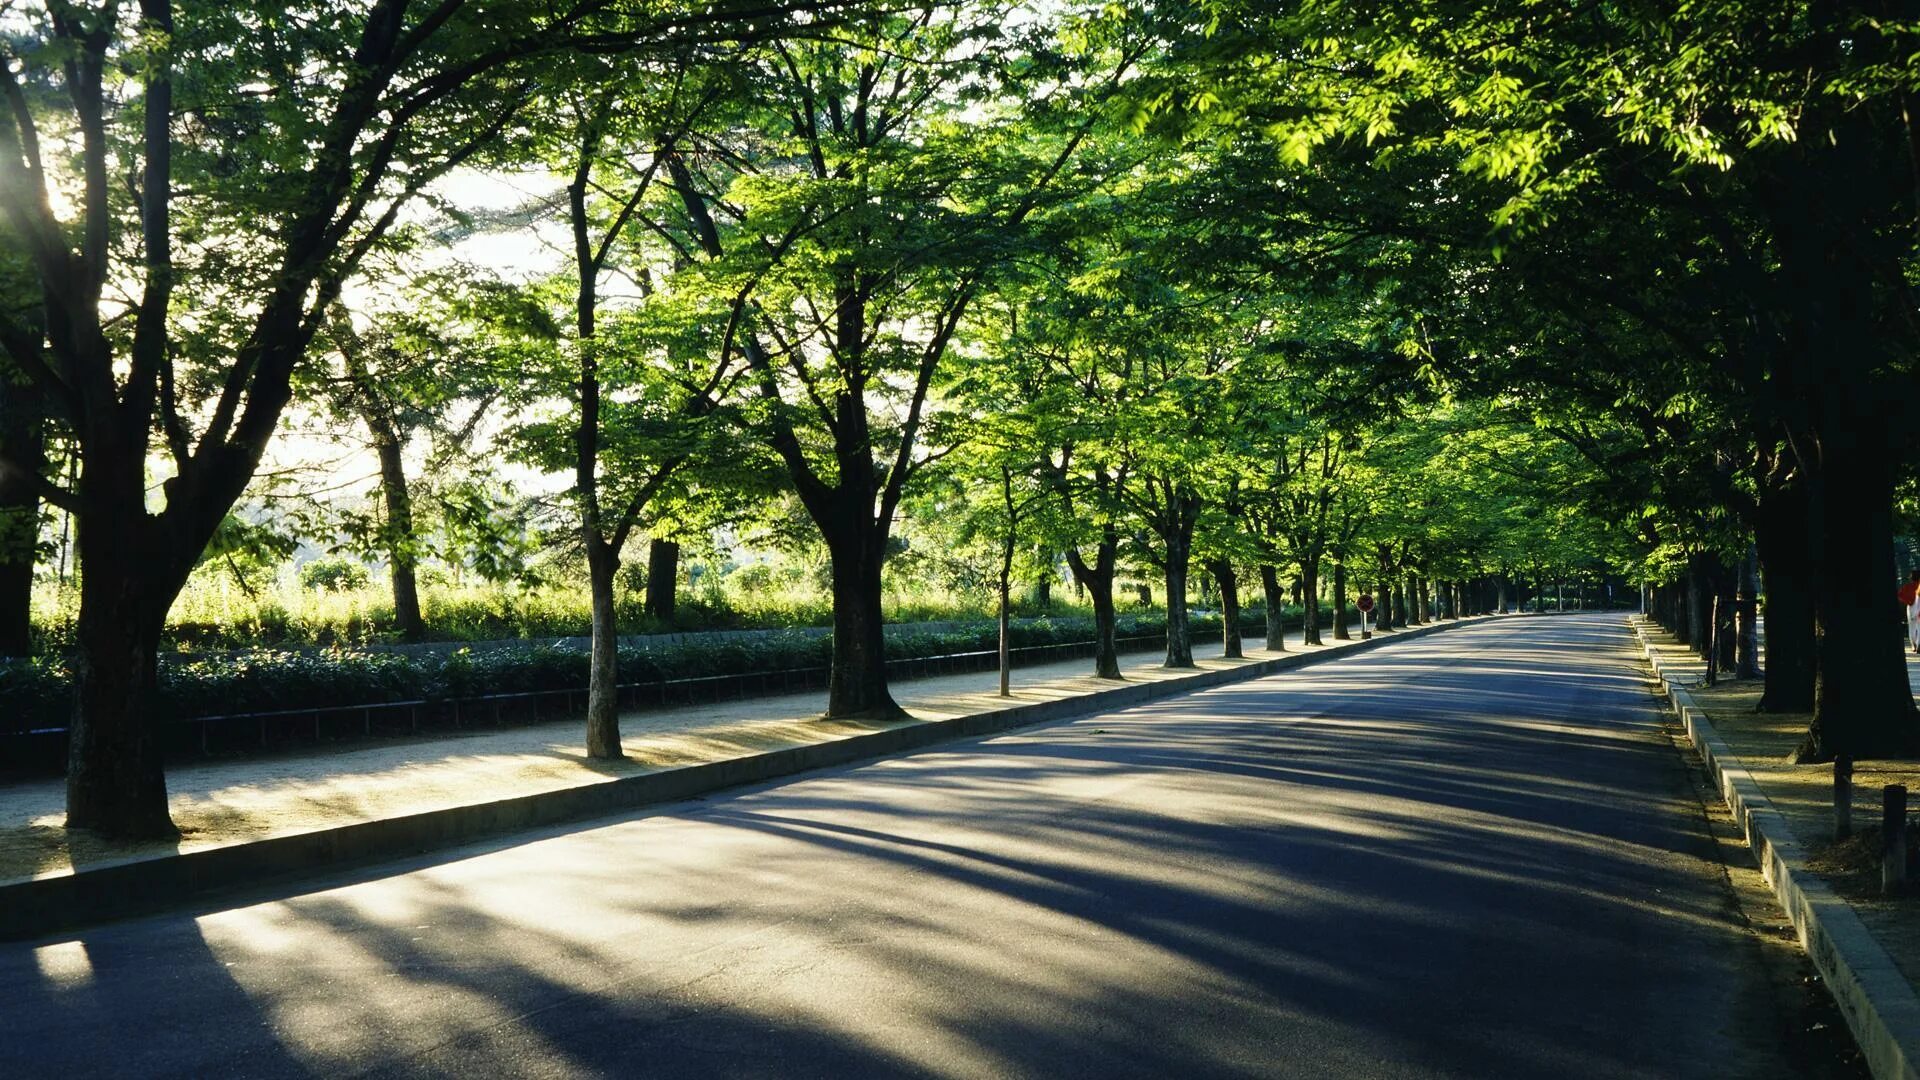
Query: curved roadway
x=1469 y=855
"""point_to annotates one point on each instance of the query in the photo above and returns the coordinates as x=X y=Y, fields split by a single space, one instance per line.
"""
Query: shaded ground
x=224 y=802
x=1474 y=855
x=1804 y=796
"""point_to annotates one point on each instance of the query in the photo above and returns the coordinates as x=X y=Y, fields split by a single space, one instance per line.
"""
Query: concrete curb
x=139 y=886
x=1879 y=1003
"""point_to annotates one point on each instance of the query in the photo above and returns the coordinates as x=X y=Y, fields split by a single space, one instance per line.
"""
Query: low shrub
x=37 y=693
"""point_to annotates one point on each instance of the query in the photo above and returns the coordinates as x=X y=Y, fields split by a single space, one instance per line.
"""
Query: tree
x=1779 y=138
x=265 y=149
x=864 y=212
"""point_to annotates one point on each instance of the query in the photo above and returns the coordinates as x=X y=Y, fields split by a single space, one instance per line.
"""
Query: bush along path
x=244 y=820
x=237 y=689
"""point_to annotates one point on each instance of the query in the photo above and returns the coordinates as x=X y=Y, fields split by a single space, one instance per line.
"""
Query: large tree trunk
x=603 y=675
x=1179 y=636
x=1276 y=601
x=402 y=558
x=1106 y=652
x=23 y=444
x=1097 y=580
x=1862 y=703
x=1786 y=570
x=663 y=579
x=1229 y=583
x=1340 y=631
x=116 y=782
x=857 y=683
x=1725 y=581
x=1310 y=597
x=1698 y=606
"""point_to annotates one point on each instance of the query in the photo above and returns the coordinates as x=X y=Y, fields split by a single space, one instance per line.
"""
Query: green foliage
x=335 y=573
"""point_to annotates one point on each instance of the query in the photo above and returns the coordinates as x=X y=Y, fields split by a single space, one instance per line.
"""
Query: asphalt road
x=1471 y=855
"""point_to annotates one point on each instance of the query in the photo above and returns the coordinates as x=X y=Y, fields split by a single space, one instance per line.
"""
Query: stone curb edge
x=1879 y=1003
x=30 y=909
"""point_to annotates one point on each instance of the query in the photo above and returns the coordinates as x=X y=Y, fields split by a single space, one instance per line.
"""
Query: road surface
x=1471 y=855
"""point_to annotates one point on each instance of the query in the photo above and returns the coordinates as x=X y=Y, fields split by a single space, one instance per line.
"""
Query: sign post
x=1365 y=604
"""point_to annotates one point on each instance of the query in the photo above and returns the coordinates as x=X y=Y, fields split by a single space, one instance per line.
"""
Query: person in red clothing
x=1910 y=605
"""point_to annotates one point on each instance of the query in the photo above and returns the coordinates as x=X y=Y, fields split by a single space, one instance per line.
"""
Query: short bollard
x=1893 y=839
x=1842 y=797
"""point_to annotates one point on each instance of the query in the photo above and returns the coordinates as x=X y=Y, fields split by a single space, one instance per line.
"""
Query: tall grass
x=214 y=612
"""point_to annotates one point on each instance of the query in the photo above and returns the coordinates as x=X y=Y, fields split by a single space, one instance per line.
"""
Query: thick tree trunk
x=1862 y=703
x=1504 y=591
x=1097 y=580
x=603 y=674
x=22 y=442
x=663 y=579
x=1179 y=636
x=116 y=782
x=402 y=559
x=857 y=683
x=1340 y=631
x=1106 y=653
x=1682 y=620
x=1418 y=600
x=1229 y=583
x=1276 y=601
x=1310 y=595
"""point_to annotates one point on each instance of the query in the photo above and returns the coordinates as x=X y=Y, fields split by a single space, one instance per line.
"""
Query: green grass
x=213 y=613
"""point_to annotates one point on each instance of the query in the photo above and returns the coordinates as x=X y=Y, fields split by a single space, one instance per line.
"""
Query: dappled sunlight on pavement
x=1397 y=865
x=236 y=800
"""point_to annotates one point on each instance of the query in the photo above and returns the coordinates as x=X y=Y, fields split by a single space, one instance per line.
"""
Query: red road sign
x=1365 y=603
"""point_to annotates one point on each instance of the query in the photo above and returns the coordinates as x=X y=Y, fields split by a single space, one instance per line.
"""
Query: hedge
x=37 y=694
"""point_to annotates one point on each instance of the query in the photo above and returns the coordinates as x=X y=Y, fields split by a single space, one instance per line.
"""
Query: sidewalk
x=1831 y=891
x=241 y=802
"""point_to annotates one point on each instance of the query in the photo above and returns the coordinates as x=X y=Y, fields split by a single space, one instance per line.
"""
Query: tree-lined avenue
x=1475 y=854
